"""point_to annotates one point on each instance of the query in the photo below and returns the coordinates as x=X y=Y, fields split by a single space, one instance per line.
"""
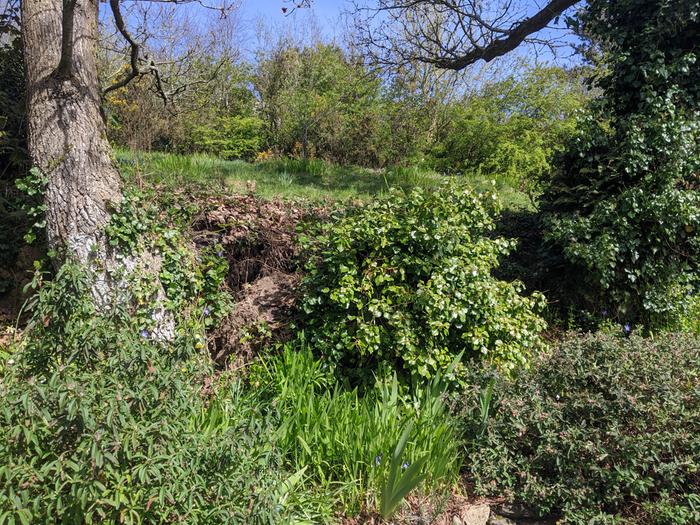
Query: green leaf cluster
x=603 y=429
x=405 y=284
x=229 y=137
x=624 y=206
x=193 y=279
x=512 y=129
x=99 y=424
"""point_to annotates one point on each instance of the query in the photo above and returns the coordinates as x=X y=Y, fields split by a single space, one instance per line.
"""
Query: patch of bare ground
x=455 y=508
x=259 y=240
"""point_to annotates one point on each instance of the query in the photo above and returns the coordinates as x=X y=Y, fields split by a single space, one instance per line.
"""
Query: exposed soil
x=259 y=240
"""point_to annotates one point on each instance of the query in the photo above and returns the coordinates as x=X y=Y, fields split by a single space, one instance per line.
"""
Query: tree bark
x=66 y=133
x=68 y=142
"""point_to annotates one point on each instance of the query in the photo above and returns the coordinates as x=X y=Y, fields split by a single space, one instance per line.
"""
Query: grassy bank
x=287 y=178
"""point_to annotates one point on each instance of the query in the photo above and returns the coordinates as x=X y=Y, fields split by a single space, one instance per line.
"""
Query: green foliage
x=33 y=186
x=511 y=129
x=99 y=424
x=405 y=282
x=601 y=429
x=345 y=439
x=193 y=280
x=398 y=485
x=230 y=137
x=13 y=152
x=13 y=132
x=624 y=207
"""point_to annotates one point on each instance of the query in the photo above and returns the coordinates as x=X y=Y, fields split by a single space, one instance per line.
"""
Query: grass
x=312 y=180
x=343 y=441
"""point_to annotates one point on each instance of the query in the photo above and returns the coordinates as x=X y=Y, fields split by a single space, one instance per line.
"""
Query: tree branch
x=134 y=53
x=65 y=64
x=139 y=62
x=514 y=38
x=449 y=34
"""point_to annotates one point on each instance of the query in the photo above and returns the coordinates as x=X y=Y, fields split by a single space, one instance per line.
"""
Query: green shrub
x=191 y=279
x=345 y=441
x=511 y=129
x=229 y=138
x=624 y=206
x=100 y=424
x=600 y=429
x=405 y=282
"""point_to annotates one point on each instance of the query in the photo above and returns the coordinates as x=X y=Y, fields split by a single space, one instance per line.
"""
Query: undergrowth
x=604 y=429
x=345 y=440
x=101 y=423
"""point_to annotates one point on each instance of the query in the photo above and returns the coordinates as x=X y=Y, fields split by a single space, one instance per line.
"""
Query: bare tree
x=451 y=34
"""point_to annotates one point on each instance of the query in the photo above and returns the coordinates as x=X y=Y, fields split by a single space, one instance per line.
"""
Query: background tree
x=511 y=129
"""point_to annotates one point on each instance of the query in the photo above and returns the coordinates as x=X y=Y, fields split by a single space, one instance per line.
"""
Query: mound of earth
x=259 y=240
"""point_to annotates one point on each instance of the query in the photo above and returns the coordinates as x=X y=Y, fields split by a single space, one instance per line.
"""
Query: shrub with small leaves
x=405 y=283
x=230 y=138
x=603 y=429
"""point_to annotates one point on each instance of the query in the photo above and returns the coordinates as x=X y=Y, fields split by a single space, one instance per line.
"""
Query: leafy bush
x=600 y=429
x=230 y=138
x=99 y=424
x=511 y=129
x=624 y=206
x=190 y=278
x=345 y=441
x=405 y=282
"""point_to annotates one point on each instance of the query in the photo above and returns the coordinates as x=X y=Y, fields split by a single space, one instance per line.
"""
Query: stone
x=475 y=514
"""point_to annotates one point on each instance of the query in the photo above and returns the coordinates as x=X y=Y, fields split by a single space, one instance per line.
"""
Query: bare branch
x=450 y=34
x=135 y=49
x=140 y=64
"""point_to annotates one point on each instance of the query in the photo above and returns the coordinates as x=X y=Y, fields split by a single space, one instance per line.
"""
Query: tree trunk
x=66 y=132
x=68 y=142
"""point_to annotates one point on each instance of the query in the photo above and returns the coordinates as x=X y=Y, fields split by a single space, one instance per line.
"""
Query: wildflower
x=604 y=313
x=627 y=328
x=206 y=310
x=220 y=253
x=377 y=460
x=144 y=334
x=405 y=465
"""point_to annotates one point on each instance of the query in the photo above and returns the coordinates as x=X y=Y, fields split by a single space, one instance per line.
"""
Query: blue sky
x=327 y=13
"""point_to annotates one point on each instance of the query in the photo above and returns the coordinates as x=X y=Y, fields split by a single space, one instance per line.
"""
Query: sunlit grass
x=313 y=180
